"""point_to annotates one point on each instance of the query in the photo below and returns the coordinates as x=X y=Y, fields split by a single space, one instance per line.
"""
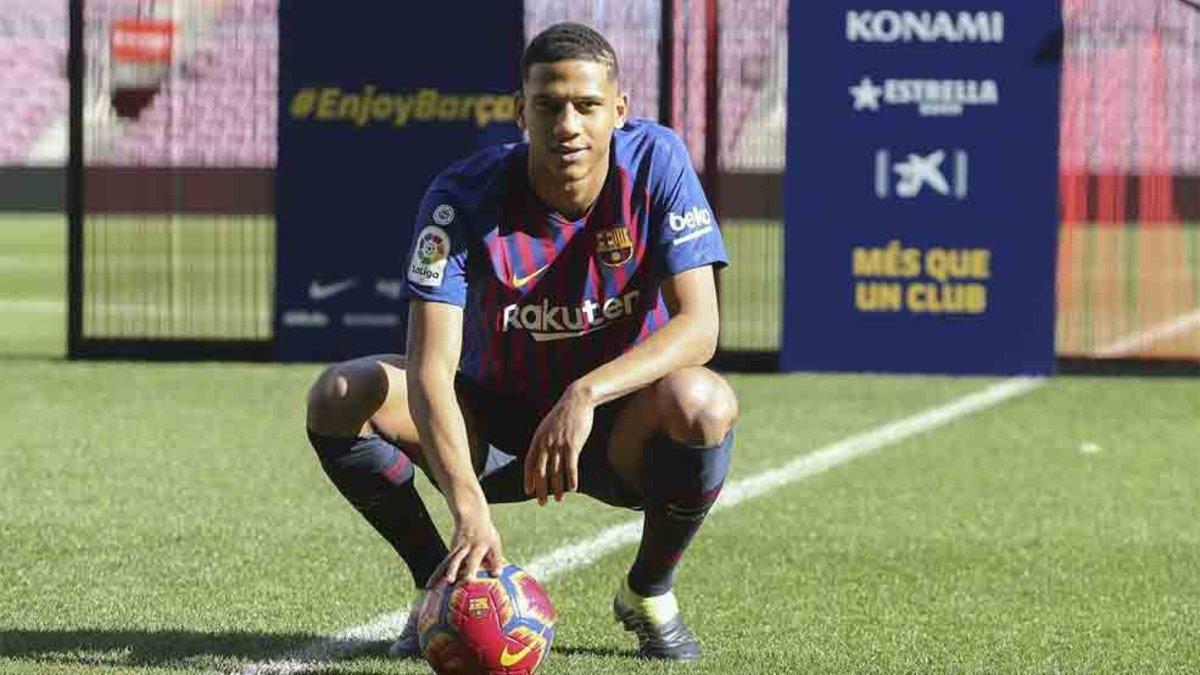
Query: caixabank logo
x=936 y=172
x=372 y=105
x=924 y=26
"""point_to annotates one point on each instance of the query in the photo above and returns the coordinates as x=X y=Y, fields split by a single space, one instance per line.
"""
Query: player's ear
x=622 y=109
x=520 y=96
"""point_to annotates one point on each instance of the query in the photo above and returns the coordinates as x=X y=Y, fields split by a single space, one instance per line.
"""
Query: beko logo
x=907 y=26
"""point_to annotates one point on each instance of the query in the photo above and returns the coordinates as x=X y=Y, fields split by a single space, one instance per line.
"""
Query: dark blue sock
x=377 y=479
x=681 y=483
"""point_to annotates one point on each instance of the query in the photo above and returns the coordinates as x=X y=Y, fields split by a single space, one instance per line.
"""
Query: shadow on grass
x=173 y=648
x=605 y=652
x=229 y=651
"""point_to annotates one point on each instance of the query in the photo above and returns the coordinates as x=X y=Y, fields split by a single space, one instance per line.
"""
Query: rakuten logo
x=908 y=26
x=547 y=322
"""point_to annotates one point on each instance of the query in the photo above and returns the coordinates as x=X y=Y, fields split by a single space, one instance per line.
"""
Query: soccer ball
x=488 y=626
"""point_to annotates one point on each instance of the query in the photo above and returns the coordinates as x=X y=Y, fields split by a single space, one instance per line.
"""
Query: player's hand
x=475 y=543
x=552 y=463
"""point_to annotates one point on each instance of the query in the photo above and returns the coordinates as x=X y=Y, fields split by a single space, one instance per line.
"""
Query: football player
x=563 y=306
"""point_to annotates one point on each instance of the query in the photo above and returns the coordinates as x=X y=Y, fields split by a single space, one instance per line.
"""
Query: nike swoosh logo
x=521 y=281
x=507 y=659
x=322 y=292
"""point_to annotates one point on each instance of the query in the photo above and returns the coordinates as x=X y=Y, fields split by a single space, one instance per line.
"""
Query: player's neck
x=571 y=199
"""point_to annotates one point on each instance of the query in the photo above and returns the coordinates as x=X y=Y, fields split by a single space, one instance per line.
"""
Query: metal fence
x=1129 y=254
x=170 y=181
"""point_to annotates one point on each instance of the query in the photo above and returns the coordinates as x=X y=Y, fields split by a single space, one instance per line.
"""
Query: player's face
x=570 y=110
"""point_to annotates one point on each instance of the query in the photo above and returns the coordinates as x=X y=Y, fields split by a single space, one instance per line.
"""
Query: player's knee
x=344 y=396
x=698 y=407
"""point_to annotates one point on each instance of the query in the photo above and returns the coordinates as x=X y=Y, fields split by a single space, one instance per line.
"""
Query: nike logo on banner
x=521 y=281
x=319 y=292
x=507 y=659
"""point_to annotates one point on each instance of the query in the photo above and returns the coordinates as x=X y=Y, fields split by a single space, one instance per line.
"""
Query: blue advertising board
x=375 y=100
x=922 y=173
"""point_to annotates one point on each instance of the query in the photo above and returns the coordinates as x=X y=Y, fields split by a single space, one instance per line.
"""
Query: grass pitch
x=171 y=518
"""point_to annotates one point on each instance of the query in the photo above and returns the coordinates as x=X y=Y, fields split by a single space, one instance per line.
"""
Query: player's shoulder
x=642 y=139
x=475 y=182
x=650 y=151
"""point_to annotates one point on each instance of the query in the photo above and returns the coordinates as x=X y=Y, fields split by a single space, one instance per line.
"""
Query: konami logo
x=891 y=25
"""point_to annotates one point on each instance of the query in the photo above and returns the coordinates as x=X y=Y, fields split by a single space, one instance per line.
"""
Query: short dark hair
x=567 y=41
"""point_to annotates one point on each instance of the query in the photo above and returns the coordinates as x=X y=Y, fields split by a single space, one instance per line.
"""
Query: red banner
x=142 y=41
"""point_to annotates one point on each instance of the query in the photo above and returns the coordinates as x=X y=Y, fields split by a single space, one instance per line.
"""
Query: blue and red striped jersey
x=545 y=299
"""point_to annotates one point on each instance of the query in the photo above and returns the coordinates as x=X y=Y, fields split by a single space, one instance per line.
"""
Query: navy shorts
x=507 y=423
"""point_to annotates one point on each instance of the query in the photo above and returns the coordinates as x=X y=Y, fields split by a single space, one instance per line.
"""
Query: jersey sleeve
x=437 y=257
x=682 y=222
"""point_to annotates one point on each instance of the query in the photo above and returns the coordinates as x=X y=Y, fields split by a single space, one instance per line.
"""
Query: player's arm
x=689 y=338
x=434 y=346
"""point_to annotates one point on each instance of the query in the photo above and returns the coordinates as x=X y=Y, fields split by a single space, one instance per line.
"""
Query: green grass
x=171 y=518
x=33 y=284
x=752 y=285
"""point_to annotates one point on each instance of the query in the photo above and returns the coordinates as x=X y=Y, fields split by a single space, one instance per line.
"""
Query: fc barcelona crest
x=614 y=247
x=478 y=607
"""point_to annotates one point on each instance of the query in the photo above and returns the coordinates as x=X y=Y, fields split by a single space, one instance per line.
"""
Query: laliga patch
x=614 y=247
x=428 y=266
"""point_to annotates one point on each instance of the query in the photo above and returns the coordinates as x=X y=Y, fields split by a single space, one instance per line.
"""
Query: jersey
x=546 y=299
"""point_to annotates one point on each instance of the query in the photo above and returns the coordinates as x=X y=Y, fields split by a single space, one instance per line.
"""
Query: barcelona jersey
x=546 y=299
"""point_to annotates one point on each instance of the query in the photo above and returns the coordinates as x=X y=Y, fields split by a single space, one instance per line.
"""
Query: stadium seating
x=216 y=108
x=33 y=84
x=1131 y=80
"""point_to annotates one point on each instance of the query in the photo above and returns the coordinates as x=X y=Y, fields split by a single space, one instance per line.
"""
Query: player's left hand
x=552 y=463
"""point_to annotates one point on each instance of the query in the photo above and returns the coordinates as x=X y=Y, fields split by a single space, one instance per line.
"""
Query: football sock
x=681 y=483
x=377 y=479
x=658 y=608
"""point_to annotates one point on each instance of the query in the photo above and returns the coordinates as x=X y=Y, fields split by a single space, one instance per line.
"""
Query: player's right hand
x=476 y=543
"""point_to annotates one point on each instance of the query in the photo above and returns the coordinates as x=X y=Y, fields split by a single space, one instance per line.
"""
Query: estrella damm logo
x=614 y=247
x=372 y=106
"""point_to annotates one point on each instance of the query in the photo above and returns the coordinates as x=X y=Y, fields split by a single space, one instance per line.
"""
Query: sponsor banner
x=921 y=187
x=372 y=106
x=146 y=41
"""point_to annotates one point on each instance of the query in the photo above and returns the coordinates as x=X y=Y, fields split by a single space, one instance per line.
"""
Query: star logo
x=866 y=94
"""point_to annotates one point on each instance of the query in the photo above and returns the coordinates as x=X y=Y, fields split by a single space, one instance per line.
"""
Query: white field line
x=580 y=554
x=1143 y=338
x=33 y=306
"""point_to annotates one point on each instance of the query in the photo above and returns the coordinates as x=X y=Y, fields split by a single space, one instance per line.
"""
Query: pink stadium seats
x=33 y=87
x=187 y=123
x=1153 y=48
